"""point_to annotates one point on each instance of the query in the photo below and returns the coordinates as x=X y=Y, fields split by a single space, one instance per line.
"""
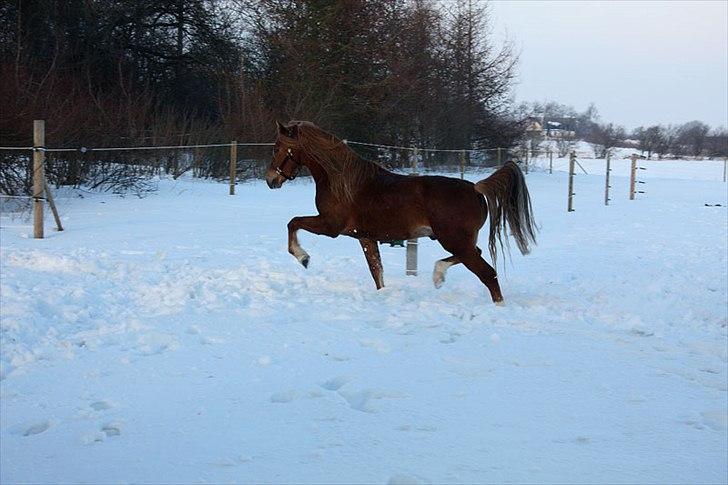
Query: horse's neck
x=318 y=173
x=326 y=202
x=324 y=192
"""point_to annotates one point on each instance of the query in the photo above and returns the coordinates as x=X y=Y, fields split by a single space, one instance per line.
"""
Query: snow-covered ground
x=173 y=339
x=585 y=149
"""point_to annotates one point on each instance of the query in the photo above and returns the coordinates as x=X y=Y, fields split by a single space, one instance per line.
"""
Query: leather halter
x=293 y=173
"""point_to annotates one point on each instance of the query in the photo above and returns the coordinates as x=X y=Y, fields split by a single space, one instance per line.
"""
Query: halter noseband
x=294 y=173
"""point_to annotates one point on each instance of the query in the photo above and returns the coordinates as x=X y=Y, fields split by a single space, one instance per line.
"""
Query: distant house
x=559 y=128
x=552 y=127
x=534 y=125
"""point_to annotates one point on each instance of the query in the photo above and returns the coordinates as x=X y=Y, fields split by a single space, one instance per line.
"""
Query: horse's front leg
x=371 y=252
x=313 y=224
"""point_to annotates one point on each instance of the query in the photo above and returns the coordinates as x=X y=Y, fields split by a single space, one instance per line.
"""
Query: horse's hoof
x=438 y=279
x=438 y=275
x=500 y=303
x=304 y=260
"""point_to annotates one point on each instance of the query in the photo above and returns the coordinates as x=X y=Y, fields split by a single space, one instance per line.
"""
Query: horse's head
x=286 y=157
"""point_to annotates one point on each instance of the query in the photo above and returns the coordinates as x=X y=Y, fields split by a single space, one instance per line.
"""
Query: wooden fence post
x=233 y=165
x=411 y=257
x=551 y=161
x=632 y=176
x=462 y=164
x=572 y=161
x=38 y=177
x=52 y=203
x=606 y=183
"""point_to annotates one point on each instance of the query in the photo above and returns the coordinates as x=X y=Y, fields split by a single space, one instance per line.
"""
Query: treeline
x=135 y=72
x=691 y=139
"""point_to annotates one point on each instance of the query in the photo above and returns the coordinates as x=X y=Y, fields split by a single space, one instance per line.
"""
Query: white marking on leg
x=297 y=251
x=438 y=275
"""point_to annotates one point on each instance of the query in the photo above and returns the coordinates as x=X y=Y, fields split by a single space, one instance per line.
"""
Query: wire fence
x=118 y=168
x=25 y=177
x=125 y=168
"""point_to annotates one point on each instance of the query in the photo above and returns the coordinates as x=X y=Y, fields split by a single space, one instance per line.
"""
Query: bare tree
x=667 y=143
x=649 y=138
x=564 y=146
x=604 y=137
x=717 y=142
x=692 y=136
x=479 y=73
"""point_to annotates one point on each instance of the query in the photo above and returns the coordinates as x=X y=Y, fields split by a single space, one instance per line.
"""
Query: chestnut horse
x=360 y=199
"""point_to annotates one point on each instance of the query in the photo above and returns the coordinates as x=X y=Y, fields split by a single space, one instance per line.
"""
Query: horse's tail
x=508 y=201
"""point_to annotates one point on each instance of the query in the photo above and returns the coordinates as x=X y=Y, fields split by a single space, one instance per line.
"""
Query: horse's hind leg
x=485 y=272
x=441 y=267
x=371 y=252
x=470 y=256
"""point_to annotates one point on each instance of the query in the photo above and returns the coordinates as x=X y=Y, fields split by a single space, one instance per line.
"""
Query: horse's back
x=400 y=207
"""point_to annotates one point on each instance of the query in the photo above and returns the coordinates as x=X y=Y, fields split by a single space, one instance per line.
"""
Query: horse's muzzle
x=273 y=180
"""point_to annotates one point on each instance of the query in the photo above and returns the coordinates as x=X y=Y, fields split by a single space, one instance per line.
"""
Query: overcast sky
x=641 y=62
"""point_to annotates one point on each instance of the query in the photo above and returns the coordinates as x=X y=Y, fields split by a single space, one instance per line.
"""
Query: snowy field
x=173 y=339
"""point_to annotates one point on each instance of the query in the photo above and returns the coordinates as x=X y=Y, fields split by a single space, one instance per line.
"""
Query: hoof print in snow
x=36 y=428
x=93 y=438
x=314 y=394
x=710 y=371
x=155 y=344
x=363 y=400
x=100 y=405
x=336 y=383
x=401 y=479
x=450 y=339
x=283 y=397
x=641 y=333
x=715 y=420
x=111 y=429
x=337 y=357
x=206 y=340
x=230 y=462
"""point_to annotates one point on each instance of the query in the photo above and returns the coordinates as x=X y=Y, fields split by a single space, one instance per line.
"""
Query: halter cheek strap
x=294 y=173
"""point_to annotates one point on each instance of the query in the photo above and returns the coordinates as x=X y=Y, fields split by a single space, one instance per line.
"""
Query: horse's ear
x=282 y=130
